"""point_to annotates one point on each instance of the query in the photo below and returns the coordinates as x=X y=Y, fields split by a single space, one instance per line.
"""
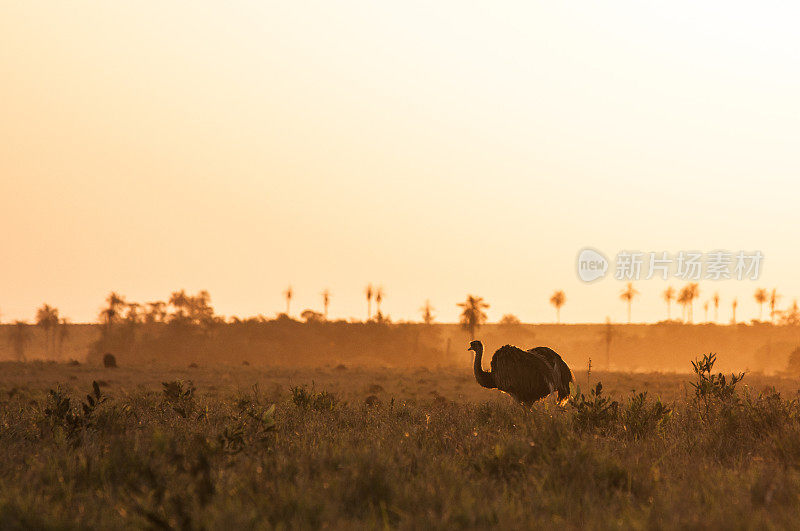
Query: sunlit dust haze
x=433 y=148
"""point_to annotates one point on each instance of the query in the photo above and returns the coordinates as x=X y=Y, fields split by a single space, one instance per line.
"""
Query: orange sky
x=434 y=149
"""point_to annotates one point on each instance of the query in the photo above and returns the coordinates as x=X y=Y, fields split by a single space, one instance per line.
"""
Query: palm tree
x=20 y=336
x=694 y=293
x=47 y=319
x=627 y=295
x=200 y=310
x=378 y=299
x=427 y=313
x=326 y=300
x=63 y=335
x=715 y=298
x=472 y=315
x=369 y=292
x=114 y=303
x=734 y=304
x=669 y=296
x=608 y=335
x=773 y=300
x=180 y=301
x=761 y=297
x=684 y=298
x=288 y=294
x=558 y=299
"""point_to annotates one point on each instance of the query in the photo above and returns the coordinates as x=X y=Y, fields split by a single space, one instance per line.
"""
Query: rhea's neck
x=484 y=378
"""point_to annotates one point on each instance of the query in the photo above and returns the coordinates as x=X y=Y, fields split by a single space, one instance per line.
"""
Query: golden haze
x=434 y=149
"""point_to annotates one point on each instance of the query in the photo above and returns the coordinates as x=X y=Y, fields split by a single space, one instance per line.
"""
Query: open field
x=353 y=446
x=664 y=347
x=386 y=199
x=352 y=384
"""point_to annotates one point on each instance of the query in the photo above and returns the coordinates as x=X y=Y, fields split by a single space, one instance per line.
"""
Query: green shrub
x=61 y=415
x=642 y=417
x=253 y=423
x=180 y=396
x=309 y=399
x=713 y=385
x=595 y=412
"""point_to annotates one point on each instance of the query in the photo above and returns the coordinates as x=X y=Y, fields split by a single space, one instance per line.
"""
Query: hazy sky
x=436 y=148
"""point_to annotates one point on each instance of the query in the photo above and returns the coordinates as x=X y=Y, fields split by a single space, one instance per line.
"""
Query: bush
x=61 y=415
x=713 y=385
x=594 y=412
x=642 y=417
x=180 y=396
x=305 y=399
x=713 y=389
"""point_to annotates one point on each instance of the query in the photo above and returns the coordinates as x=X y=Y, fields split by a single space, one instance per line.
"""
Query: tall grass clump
x=307 y=399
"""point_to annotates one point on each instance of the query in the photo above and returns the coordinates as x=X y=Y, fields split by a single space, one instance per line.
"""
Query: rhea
x=527 y=375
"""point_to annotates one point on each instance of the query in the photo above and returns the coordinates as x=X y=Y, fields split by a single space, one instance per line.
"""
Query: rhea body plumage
x=527 y=375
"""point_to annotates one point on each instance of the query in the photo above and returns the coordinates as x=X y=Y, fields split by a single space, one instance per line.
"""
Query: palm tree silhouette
x=684 y=298
x=20 y=336
x=326 y=300
x=369 y=292
x=114 y=304
x=761 y=297
x=608 y=335
x=378 y=299
x=715 y=298
x=63 y=335
x=734 y=304
x=627 y=295
x=669 y=296
x=773 y=300
x=558 y=299
x=472 y=315
x=694 y=293
x=180 y=301
x=47 y=319
x=288 y=294
x=427 y=313
x=200 y=310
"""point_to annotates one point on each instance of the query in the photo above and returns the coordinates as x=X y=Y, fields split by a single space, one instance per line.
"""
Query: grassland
x=663 y=347
x=352 y=447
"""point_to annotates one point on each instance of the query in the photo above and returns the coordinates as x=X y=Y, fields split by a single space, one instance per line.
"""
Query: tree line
x=119 y=317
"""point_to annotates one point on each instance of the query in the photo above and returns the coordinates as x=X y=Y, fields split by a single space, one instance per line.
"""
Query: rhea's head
x=475 y=346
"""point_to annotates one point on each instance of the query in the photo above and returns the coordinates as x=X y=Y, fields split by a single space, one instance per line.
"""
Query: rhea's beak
x=470 y=348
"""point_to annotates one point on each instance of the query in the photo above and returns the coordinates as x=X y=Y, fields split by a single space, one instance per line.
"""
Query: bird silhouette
x=528 y=376
x=562 y=375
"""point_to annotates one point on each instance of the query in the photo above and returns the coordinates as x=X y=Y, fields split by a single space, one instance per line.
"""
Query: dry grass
x=432 y=449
